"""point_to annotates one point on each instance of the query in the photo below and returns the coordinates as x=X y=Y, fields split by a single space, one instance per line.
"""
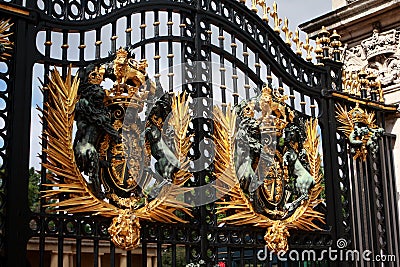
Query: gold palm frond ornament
x=359 y=127
x=6 y=45
x=73 y=170
x=180 y=121
x=242 y=206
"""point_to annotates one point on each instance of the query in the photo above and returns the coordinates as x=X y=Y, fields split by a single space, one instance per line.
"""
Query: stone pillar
x=66 y=261
x=99 y=259
x=122 y=260
x=149 y=261
x=71 y=260
x=54 y=259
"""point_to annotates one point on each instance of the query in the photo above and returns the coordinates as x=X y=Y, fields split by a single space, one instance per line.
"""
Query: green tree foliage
x=34 y=190
x=180 y=257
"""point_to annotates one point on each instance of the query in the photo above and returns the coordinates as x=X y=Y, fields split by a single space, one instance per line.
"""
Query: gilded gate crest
x=101 y=170
x=360 y=128
x=284 y=190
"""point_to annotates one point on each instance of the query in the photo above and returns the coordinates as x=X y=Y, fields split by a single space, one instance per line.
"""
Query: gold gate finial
x=254 y=6
x=288 y=33
x=308 y=48
x=265 y=9
x=299 y=44
x=318 y=52
x=277 y=20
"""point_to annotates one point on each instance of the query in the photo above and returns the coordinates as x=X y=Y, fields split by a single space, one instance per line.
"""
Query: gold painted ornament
x=6 y=45
x=276 y=237
x=239 y=206
x=359 y=127
x=122 y=201
x=125 y=230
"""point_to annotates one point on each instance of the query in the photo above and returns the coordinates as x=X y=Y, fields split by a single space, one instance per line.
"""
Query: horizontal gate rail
x=360 y=203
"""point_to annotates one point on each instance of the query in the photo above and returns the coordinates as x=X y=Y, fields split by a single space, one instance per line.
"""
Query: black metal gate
x=360 y=195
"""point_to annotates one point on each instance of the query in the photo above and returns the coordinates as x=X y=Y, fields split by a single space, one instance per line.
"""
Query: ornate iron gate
x=360 y=195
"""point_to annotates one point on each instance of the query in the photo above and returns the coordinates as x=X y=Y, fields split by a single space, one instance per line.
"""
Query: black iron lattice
x=360 y=197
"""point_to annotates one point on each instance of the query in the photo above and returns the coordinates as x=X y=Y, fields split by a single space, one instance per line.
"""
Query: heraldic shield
x=104 y=169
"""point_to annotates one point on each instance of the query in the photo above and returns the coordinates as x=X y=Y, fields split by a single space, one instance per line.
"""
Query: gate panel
x=244 y=53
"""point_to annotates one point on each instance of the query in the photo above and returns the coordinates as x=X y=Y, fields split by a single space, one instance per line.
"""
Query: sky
x=297 y=11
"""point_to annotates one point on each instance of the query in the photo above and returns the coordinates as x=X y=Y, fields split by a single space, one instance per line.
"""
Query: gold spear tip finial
x=288 y=33
x=323 y=31
x=308 y=48
x=318 y=48
x=335 y=35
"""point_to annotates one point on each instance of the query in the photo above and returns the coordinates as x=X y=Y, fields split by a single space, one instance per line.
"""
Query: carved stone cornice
x=354 y=21
x=379 y=54
x=380 y=44
x=351 y=1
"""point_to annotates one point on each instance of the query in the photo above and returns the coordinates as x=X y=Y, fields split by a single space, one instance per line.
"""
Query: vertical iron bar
x=79 y=250
x=170 y=54
x=355 y=202
x=157 y=55
x=246 y=74
x=144 y=253
x=173 y=248
x=112 y=254
x=241 y=256
x=65 y=47
x=43 y=171
x=328 y=128
x=313 y=107
x=222 y=69
x=143 y=33
x=128 y=30
x=16 y=224
x=60 y=247
x=269 y=76
x=82 y=46
x=159 y=255
x=258 y=70
x=96 y=252
x=392 y=196
x=129 y=258
x=114 y=37
x=228 y=256
x=302 y=103
x=98 y=43
x=368 y=198
x=234 y=71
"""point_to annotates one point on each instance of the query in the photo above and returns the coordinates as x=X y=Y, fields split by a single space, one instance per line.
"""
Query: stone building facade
x=370 y=33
